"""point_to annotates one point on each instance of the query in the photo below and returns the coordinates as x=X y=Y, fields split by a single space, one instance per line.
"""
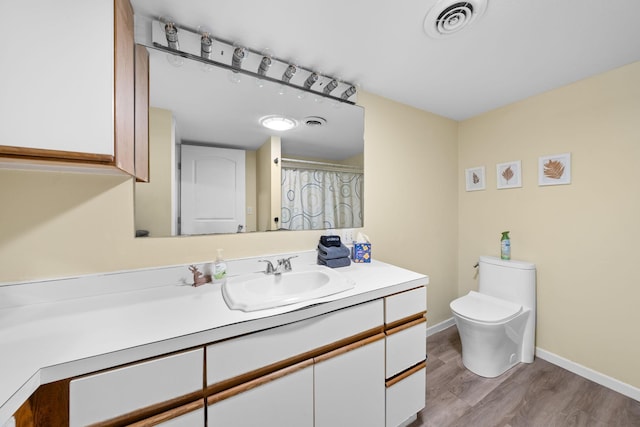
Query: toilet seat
x=482 y=308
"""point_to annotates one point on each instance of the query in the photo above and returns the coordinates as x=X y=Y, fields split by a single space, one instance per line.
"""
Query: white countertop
x=62 y=328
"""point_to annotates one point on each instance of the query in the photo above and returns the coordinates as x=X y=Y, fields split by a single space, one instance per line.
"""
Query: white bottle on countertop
x=219 y=269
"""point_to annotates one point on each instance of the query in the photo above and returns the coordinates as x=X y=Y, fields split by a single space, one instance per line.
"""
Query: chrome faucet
x=283 y=265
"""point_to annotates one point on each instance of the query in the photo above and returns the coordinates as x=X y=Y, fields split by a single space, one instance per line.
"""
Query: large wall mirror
x=215 y=169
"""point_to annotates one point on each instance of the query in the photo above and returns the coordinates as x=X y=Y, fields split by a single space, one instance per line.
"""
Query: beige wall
x=583 y=236
x=268 y=185
x=410 y=194
x=251 y=191
x=154 y=199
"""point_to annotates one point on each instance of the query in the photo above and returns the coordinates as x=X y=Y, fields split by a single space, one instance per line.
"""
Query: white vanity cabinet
x=405 y=367
x=360 y=364
x=133 y=388
x=323 y=371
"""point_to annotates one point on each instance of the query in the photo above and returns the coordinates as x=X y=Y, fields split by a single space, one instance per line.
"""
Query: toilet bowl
x=497 y=323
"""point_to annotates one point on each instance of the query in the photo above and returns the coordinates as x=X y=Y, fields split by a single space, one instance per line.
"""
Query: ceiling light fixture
x=229 y=56
x=347 y=93
x=265 y=64
x=288 y=73
x=313 y=77
x=171 y=32
x=206 y=47
x=330 y=86
x=239 y=54
x=278 y=123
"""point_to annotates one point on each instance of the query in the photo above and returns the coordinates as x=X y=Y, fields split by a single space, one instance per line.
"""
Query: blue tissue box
x=361 y=252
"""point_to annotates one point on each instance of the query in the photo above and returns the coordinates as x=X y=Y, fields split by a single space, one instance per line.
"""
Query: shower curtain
x=319 y=199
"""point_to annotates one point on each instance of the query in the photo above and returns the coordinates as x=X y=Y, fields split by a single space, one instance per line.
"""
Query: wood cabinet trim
x=347 y=348
x=56 y=155
x=171 y=414
x=150 y=411
x=241 y=388
x=141 y=113
x=405 y=374
x=405 y=326
x=408 y=319
x=124 y=87
x=47 y=406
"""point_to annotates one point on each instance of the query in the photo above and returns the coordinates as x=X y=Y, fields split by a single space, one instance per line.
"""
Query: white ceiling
x=517 y=49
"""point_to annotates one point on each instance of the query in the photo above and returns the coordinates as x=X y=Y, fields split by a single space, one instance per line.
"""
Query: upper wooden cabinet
x=68 y=87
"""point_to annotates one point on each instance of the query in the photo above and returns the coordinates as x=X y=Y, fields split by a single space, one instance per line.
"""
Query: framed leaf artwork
x=554 y=170
x=509 y=174
x=475 y=178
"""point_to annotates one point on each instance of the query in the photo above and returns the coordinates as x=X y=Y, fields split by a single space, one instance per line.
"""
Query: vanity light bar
x=314 y=82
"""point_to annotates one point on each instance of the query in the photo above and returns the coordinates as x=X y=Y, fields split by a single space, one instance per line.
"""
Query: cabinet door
x=58 y=97
x=406 y=395
x=122 y=391
x=283 y=399
x=349 y=385
x=406 y=346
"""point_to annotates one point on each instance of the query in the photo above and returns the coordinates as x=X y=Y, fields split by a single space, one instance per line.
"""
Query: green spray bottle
x=505 y=246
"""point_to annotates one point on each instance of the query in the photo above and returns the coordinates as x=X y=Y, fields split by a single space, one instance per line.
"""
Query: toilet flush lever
x=476 y=265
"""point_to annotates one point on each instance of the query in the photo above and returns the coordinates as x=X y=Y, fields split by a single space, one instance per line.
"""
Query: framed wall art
x=475 y=178
x=509 y=174
x=554 y=170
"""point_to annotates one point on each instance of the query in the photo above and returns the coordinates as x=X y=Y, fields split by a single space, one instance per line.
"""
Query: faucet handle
x=270 y=269
x=286 y=262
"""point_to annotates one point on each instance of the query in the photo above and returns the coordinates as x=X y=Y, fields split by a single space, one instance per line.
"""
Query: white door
x=212 y=188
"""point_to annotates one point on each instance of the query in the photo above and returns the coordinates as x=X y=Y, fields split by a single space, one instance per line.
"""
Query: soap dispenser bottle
x=219 y=269
x=505 y=246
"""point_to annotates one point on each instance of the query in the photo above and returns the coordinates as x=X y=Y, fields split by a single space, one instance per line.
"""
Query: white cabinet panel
x=406 y=398
x=58 y=98
x=283 y=402
x=406 y=348
x=405 y=304
x=119 y=391
x=349 y=388
x=236 y=356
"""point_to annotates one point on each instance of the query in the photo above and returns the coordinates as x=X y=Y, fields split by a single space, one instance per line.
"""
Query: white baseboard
x=590 y=374
x=440 y=326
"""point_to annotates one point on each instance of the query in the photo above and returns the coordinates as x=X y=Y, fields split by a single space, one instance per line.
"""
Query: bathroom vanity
x=146 y=348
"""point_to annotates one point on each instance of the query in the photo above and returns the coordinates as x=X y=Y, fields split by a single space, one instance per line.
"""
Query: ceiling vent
x=447 y=17
x=315 y=121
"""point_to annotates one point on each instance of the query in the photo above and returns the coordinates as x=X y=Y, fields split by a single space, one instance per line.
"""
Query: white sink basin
x=259 y=291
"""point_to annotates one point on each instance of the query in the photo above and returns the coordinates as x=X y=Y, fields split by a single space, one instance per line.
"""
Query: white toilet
x=497 y=323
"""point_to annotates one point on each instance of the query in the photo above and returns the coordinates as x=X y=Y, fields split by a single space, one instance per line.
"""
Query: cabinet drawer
x=282 y=398
x=405 y=304
x=234 y=357
x=406 y=397
x=120 y=391
x=406 y=346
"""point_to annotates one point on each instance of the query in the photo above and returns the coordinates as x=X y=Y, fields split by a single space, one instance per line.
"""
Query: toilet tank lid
x=485 y=308
x=522 y=265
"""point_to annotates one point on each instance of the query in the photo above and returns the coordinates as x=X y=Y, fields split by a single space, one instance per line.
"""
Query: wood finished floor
x=536 y=394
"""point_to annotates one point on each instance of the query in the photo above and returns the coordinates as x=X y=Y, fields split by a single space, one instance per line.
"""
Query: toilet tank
x=511 y=280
